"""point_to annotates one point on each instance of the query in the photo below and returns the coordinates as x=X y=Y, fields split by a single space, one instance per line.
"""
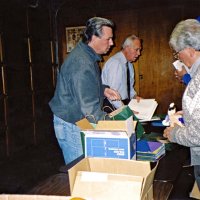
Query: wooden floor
x=58 y=184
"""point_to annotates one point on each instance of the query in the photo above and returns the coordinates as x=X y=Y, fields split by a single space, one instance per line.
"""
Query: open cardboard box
x=113 y=179
x=195 y=193
x=109 y=139
x=33 y=197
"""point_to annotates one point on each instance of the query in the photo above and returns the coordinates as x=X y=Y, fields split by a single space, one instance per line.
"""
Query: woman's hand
x=166 y=133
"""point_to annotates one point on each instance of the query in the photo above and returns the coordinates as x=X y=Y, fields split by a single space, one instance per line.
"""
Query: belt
x=126 y=101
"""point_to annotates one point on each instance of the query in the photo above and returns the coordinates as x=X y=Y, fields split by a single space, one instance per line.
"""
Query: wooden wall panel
x=42 y=78
x=17 y=79
x=26 y=71
x=155 y=27
x=43 y=117
x=2 y=129
x=155 y=64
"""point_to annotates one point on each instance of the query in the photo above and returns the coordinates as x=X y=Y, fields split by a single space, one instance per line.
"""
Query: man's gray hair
x=129 y=41
x=186 y=34
x=94 y=27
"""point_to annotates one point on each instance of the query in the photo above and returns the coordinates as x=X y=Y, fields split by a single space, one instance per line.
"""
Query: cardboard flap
x=84 y=124
x=125 y=125
x=32 y=197
x=98 y=186
x=195 y=193
x=149 y=181
x=120 y=166
x=80 y=166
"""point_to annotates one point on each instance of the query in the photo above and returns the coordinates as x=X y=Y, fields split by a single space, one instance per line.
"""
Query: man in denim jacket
x=79 y=91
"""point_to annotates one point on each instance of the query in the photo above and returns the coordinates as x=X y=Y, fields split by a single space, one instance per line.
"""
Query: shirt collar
x=90 y=51
x=194 y=67
x=124 y=58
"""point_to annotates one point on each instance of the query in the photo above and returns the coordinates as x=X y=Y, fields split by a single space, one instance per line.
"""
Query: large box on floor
x=113 y=179
x=35 y=197
x=110 y=139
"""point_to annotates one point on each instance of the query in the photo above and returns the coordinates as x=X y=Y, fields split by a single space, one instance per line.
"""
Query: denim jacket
x=79 y=90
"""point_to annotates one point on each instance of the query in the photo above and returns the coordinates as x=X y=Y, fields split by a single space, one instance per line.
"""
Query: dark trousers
x=107 y=106
x=197 y=174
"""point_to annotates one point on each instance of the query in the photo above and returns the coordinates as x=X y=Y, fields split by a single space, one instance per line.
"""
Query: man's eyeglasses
x=137 y=49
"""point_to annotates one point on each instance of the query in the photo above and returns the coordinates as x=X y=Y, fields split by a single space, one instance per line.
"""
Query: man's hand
x=112 y=94
x=138 y=98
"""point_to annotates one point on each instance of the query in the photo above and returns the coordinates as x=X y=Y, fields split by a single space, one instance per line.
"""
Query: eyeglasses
x=176 y=54
x=137 y=49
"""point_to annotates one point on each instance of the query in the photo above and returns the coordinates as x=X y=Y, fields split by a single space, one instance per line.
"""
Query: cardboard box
x=110 y=144
x=35 y=197
x=113 y=179
x=109 y=139
x=195 y=193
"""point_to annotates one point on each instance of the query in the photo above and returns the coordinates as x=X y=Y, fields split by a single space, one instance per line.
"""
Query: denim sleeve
x=87 y=90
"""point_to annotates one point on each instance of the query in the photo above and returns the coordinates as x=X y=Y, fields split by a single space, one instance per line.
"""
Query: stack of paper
x=149 y=150
x=145 y=108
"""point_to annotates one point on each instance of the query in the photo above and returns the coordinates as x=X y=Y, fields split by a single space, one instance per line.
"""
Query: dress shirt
x=114 y=74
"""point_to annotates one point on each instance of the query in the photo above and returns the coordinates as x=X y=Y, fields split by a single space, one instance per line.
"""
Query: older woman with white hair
x=185 y=41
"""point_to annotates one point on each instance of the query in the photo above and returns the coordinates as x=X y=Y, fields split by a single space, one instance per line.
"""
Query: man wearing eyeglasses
x=118 y=72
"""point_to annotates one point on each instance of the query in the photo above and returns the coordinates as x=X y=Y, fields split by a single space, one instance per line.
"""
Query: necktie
x=128 y=80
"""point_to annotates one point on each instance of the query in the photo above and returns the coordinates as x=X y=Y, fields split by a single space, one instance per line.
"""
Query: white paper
x=179 y=65
x=145 y=107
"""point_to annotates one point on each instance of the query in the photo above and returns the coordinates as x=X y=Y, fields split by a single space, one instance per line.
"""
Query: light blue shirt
x=114 y=74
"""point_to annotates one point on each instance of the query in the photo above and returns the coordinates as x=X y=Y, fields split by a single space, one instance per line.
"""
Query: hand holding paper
x=145 y=108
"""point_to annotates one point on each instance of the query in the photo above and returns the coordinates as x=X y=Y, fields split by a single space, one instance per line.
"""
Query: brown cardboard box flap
x=84 y=124
x=195 y=193
x=33 y=197
x=98 y=186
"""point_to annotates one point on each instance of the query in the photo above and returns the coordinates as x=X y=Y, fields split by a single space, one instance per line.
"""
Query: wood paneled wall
x=26 y=83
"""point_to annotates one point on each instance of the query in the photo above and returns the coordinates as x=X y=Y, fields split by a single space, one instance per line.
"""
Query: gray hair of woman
x=94 y=27
x=186 y=34
x=129 y=41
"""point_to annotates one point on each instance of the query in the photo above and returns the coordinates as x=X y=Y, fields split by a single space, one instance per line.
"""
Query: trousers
x=69 y=139
x=197 y=174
